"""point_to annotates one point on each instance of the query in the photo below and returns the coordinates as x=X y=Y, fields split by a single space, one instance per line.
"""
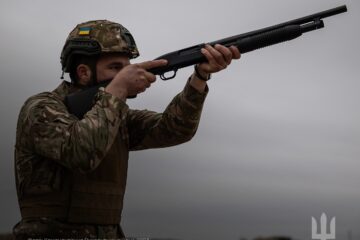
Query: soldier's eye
x=117 y=68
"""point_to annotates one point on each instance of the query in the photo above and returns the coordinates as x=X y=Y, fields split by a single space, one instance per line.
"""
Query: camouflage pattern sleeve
x=77 y=144
x=176 y=125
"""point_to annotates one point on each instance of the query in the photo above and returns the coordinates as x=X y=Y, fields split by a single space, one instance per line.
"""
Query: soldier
x=70 y=172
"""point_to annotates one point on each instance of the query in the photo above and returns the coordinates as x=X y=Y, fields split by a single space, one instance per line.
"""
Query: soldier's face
x=109 y=65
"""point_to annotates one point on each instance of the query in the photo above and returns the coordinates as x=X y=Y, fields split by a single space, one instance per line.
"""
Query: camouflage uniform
x=53 y=146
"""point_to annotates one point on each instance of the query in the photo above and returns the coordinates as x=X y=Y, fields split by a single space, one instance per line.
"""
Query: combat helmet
x=95 y=37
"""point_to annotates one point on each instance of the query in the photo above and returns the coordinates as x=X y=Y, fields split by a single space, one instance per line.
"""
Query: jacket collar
x=66 y=88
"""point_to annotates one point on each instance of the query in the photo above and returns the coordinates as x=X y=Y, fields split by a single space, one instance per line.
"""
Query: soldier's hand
x=133 y=79
x=218 y=57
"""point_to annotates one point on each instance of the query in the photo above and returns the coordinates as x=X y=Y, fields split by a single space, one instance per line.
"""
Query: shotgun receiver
x=81 y=102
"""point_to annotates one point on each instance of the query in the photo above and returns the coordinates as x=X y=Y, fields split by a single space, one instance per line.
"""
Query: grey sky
x=279 y=137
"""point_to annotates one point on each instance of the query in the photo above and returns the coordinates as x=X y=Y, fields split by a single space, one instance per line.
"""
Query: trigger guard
x=164 y=78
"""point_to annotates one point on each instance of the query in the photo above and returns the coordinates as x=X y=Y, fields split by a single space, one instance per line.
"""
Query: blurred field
x=6 y=236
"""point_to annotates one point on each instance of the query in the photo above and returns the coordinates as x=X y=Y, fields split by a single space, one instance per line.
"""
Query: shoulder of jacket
x=43 y=98
x=40 y=101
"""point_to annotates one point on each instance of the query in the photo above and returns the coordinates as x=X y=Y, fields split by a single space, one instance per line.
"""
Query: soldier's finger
x=225 y=52
x=208 y=56
x=235 y=52
x=219 y=58
x=153 y=64
x=150 y=77
x=212 y=65
x=141 y=80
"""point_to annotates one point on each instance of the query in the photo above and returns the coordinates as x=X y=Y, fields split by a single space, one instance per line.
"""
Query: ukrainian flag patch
x=84 y=31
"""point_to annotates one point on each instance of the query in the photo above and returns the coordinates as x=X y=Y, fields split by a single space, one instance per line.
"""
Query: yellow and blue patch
x=84 y=31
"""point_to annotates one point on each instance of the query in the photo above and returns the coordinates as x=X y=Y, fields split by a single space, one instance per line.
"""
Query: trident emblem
x=323 y=234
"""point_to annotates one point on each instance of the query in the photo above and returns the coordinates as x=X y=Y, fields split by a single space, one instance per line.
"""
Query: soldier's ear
x=83 y=72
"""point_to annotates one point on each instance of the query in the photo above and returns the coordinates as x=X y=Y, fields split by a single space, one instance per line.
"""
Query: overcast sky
x=279 y=137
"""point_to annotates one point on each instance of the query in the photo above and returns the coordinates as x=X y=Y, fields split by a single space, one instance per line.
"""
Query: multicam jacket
x=75 y=170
